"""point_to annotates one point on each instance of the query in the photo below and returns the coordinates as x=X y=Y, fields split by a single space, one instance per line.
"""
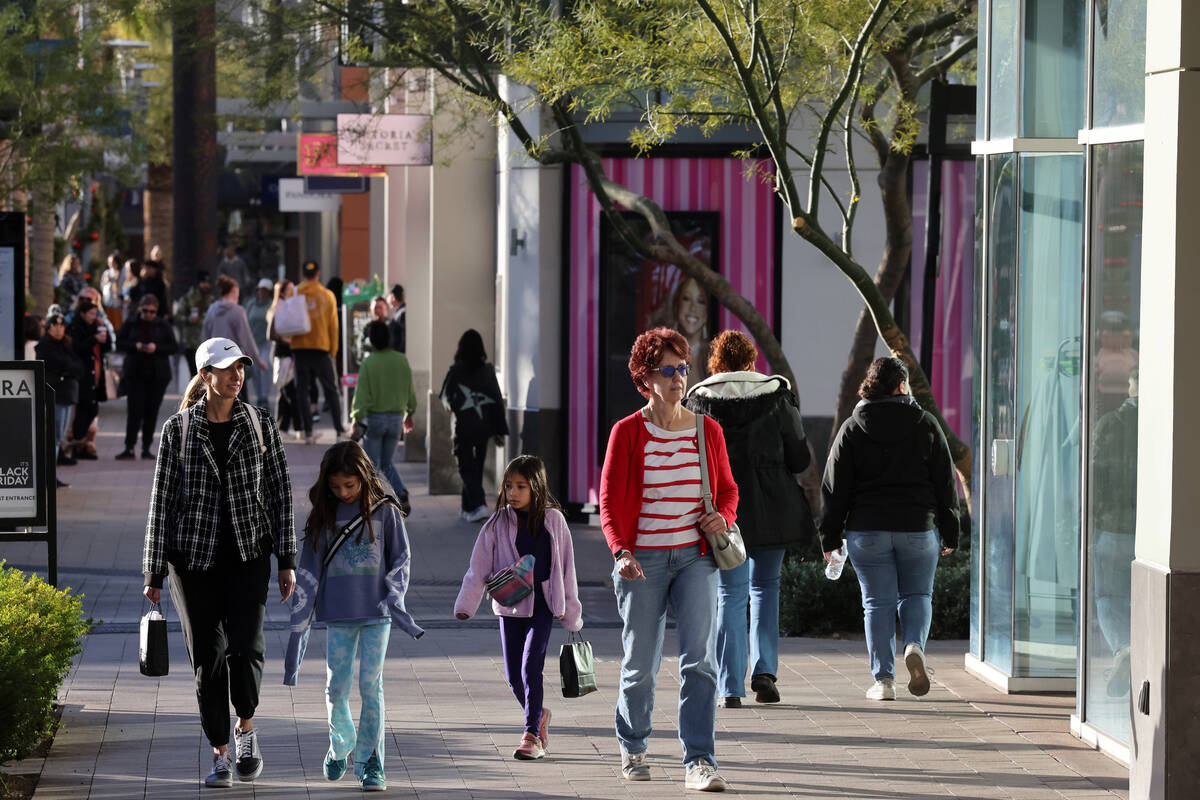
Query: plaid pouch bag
x=512 y=584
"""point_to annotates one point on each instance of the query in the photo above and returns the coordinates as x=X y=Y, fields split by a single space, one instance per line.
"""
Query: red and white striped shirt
x=672 y=501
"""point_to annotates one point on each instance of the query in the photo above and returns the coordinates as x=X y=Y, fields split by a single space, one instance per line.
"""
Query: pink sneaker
x=544 y=729
x=530 y=748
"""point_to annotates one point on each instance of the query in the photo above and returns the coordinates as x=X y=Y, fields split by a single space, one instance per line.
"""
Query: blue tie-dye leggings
x=341 y=643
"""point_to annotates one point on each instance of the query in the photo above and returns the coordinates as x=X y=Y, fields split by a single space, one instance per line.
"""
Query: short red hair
x=731 y=351
x=648 y=350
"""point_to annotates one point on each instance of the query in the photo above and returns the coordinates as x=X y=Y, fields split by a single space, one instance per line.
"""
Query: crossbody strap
x=353 y=525
x=705 y=489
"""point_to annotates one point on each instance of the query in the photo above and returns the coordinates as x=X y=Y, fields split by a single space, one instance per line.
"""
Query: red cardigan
x=621 y=480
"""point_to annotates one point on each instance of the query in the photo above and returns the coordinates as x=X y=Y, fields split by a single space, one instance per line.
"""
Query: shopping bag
x=153 y=660
x=291 y=316
x=576 y=667
x=512 y=584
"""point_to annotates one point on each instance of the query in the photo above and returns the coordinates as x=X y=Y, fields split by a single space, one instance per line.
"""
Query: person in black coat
x=890 y=492
x=767 y=449
x=471 y=393
x=148 y=343
x=90 y=341
x=64 y=371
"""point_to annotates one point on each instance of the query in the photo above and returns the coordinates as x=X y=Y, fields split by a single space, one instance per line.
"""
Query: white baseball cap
x=265 y=283
x=220 y=353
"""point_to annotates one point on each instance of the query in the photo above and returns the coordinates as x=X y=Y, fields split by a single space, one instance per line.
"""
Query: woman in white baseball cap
x=221 y=504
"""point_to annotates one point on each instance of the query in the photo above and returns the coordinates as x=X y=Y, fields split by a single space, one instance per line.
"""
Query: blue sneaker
x=372 y=777
x=335 y=768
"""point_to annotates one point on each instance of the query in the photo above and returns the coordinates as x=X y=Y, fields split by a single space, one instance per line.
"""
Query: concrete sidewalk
x=452 y=721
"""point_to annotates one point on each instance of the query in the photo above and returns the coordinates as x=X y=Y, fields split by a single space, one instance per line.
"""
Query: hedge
x=41 y=630
x=812 y=605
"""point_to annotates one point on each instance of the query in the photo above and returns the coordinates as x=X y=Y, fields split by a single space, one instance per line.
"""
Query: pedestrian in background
x=357 y=589
x=148 y=344
x=652 y=511
x=226 y=319
x=69 y=282
x=150 y=281
x=889 y=493
x=220 y=505
x=399 y=318
x=256 y=314
x=64 y=372
x=527 y=522
x=282 y=367
x=383 y=405
x=767 y=448
x=471 y=393
x=33 y=328
x=231 y=264
x=190 y=311
x=313 y=352
x=91 y=341
x=112 y=299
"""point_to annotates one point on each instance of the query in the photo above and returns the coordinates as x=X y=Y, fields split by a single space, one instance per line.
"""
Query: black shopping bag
x=576 y=667
x=152 y=643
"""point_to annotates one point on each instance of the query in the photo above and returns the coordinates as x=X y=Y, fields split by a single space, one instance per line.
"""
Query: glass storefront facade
x=1058 y=251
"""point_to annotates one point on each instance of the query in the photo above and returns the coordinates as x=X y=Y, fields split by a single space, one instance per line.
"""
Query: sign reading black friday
x=18 y=489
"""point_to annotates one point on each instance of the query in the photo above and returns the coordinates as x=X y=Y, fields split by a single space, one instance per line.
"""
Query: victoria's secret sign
x=395 y=140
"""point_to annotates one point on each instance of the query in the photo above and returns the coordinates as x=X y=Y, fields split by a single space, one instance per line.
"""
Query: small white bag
x=291 y=317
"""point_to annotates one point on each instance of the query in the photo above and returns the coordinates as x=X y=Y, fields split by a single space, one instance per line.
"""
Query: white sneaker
x=882 y=690
x=918 y=676
x=703 y=777
x=479 y=514
x=221 y=774
x=634 y=766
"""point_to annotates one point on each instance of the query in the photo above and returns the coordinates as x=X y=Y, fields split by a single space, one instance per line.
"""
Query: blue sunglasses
x=669 y=371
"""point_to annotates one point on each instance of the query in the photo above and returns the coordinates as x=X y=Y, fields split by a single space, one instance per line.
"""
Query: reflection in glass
x=1045 y=621
x=977 y=465
x=1116 y=239
x=1000 y=425
x=1119 y=63
x=1052 y=81
x=1003 y=72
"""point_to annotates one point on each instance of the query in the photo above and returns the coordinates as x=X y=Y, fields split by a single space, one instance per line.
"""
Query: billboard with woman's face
x=637 y=294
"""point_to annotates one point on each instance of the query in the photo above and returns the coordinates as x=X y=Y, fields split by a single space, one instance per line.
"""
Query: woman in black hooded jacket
x=767 y=449
x=889 y=488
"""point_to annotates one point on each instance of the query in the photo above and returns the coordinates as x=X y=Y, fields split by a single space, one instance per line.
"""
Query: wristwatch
x=617 y=555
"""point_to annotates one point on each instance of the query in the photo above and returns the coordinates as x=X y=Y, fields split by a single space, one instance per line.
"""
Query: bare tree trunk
x=41 y=251
x=897 y=213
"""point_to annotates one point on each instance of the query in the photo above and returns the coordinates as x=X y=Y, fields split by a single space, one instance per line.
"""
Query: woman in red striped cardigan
x=652 y=512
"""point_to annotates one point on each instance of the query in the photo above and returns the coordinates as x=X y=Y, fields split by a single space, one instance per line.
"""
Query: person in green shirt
x=189 y=317
x=383 y=405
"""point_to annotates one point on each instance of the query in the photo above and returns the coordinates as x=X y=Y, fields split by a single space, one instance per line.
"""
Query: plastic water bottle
x=833 y=570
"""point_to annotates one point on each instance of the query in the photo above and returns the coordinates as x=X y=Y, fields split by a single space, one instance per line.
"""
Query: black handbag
x=153 y=659
x=576 y=667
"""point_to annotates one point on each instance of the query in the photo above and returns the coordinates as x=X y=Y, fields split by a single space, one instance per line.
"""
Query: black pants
x=221 y=612
x=318 y=364
x=471 y=454
x=189 y=355
x=290 y=410
x=85 y=412
x=142 y=401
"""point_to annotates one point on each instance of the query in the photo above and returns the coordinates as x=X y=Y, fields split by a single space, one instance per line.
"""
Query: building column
x=1165 y=656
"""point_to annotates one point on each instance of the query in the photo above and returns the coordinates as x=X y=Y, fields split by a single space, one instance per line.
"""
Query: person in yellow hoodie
x=313 y=352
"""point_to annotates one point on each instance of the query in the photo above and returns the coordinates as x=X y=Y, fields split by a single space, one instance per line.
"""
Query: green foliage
x=812 y=605
x=41 y=629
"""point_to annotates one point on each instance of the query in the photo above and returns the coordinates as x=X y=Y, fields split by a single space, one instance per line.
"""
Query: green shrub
x=40 y=633
x=812 y=605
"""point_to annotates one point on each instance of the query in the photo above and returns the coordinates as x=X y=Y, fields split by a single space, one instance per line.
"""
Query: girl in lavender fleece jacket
x=359 y=594
x=526 y=521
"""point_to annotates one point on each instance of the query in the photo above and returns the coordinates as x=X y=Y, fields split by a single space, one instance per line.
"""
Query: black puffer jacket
x=64 y=368
x=767 y=447
x=889 y=470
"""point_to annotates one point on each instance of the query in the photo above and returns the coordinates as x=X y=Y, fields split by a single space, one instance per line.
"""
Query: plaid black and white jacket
x=185 y=501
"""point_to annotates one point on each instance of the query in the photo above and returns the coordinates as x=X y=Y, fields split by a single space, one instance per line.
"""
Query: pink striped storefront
x=746 y=256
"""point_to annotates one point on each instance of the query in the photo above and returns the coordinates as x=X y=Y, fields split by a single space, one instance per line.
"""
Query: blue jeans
x=62 y=419
x=895 y=570
x=756 y=582
x=260 y=377
x=341 y=643
x=680 y=579
x=383 y=432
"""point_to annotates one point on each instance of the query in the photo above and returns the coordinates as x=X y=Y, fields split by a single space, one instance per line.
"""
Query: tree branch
x=944 y=63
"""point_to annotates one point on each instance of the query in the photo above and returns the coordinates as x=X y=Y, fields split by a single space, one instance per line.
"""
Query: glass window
x=1052 y=80
x=1004 y=71
x=1119 y=63
x=981 y=80
x=1114 y=326
x=1000 y=424
x=979 y=462
x=1046 y=551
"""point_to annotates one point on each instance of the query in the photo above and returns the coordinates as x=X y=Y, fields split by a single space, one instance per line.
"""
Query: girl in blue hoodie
x=353 y=575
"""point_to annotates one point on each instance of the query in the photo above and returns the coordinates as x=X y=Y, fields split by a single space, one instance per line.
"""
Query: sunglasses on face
x=669 y=371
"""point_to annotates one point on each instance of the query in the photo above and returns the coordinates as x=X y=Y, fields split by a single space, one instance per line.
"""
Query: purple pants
x=524 y=642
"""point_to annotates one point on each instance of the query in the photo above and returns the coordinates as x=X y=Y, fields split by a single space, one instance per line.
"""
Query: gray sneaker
x=703 y=777
x=634 y=766
x=249 y=760
x=884 y=689
x=918 y=675
x=220 y=776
